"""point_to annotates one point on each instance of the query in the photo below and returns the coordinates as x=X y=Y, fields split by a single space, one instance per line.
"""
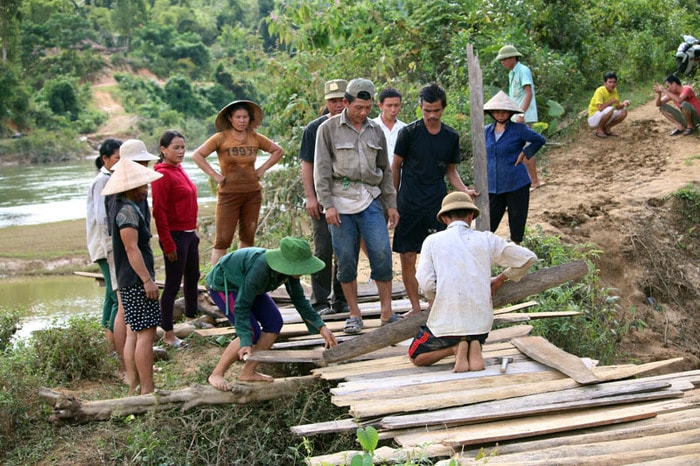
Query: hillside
x=615 y=193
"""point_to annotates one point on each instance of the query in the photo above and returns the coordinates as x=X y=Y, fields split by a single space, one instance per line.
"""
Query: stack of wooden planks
x=433 y=412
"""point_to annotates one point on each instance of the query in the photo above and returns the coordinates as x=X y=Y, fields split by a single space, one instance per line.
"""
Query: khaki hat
x=360 y=84
x=134 y=149
x=293 y=257
x=508 y=51
x=457 y=200
x=128 y=175
x=335 y=89
x=501 y=101
x=222 y=122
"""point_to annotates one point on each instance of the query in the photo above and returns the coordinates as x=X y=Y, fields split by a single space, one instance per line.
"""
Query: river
x=46 y=193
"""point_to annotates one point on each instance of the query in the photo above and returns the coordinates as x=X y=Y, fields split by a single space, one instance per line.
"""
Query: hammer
x=504 y=364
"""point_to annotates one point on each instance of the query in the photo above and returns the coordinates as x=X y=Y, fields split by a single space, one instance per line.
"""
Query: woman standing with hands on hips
x=239 y=193
x=506 y=148
x=175 y=212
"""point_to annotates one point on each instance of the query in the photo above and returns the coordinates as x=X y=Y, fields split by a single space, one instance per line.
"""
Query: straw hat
x=128 y=175
x=501 y=101
x=508 y=51
x=135 y=150
x=222 y=122
x=457 y=200
x=293 y=257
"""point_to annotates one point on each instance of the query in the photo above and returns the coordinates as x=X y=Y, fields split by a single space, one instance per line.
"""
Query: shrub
x=9 y=324
x=78 y=351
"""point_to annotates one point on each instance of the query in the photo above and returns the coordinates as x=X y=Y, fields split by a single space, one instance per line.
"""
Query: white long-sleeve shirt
x=455 y=269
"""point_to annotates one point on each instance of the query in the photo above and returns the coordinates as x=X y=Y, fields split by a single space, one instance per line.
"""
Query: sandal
x=353 y=325
x=688 y=131
x=610 y=134
x=676 y=132
x=178 y=344
x=392 y=319
x=601 y=135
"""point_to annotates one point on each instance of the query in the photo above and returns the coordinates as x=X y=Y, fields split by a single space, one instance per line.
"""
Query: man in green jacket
x=239 y=283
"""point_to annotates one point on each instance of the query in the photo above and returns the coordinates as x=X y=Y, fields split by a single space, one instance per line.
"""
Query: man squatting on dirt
x=461 y=316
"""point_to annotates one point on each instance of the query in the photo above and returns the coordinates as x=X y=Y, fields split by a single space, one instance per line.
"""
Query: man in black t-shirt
x=426 y=151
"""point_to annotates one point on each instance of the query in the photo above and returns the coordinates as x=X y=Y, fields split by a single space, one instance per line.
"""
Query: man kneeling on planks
x=455 y=271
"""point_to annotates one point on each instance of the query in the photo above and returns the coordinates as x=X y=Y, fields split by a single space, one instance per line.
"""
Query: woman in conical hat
x=507 y=145
x=133 y=260
x=239 y=193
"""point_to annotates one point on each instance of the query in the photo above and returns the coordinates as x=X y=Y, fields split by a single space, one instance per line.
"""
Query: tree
x=9 y=21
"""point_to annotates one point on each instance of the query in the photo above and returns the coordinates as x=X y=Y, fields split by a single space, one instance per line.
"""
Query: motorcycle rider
x=685 y=115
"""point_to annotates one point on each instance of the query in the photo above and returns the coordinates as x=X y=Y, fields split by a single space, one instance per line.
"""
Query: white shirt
x=390 y=134
x=455 y=269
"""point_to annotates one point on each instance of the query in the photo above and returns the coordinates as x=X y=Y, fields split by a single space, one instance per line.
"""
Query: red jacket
x=174 y=203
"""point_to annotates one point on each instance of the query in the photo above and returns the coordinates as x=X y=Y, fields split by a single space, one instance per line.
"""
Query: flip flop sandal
x=688 y=131
x=392 y=319
x=326 y=311
x=178 y=344
x=613 y=135
x=601 y=135
x=353 y=325
x=676 y=132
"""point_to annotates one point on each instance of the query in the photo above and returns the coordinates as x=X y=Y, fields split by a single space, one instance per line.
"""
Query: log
x=69 y=409
x=476 y=115
x=406 y=328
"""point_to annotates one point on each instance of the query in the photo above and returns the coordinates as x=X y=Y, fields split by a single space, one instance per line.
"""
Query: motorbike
x=688 y=55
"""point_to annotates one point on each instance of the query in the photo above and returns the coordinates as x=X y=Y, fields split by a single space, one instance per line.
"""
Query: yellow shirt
x=600 y=96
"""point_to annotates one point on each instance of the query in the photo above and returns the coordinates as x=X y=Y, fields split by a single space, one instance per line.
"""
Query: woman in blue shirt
x=507 y=144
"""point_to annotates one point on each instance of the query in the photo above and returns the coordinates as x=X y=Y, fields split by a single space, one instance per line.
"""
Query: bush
x=597 y=332
x=78 y=351
x=9 y=324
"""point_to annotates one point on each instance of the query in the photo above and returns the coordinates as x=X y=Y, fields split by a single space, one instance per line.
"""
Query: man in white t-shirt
x=389 y=103
x=455 y=272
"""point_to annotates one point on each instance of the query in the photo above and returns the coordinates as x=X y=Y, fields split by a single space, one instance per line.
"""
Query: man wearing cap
x=455 y=271
x=324 y=284
x=134 y=263
x=521 y=88
x=351 y=174
x=239 y=283
x=427 y=150
x=389 y=103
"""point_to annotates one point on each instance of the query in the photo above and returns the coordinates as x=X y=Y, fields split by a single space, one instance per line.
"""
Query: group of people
x=361 y=177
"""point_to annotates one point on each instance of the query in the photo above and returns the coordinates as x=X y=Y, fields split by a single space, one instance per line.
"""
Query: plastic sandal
x=392 y=319
x=353 y=325
x=676 y=132
x=688 y=131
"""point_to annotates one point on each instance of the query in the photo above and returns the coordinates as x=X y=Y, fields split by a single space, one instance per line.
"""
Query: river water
x=38 y=194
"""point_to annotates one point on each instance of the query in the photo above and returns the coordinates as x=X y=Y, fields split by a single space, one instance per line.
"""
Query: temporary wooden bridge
x=533 y=404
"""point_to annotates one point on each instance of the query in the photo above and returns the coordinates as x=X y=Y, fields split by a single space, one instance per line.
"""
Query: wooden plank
x=543 y=425
x=663 y=423
x=562 y=400
x=528 y=427
x=372 y=407
x=538 y=315
x=342 y=425
x=543 y=351
x=314 y=356
x=404 y=329
x=514 y=307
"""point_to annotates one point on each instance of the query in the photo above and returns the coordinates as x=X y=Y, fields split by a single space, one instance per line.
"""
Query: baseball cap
x=359 y=85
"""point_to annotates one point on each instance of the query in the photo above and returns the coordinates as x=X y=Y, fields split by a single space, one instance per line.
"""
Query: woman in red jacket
x=175 y=214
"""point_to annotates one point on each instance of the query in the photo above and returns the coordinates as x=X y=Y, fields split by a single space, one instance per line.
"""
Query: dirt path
x=614 y=192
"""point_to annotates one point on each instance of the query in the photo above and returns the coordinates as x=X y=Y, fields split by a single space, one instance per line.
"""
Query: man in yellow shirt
x=605 y=109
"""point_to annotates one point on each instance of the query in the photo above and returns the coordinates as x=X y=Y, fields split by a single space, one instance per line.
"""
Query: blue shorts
x=264 y=314
x=369 y=225
x=426 y=342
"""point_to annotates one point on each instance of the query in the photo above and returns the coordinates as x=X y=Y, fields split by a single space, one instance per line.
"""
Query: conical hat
x=128 y=175
x=501 y=101
x=222 y=122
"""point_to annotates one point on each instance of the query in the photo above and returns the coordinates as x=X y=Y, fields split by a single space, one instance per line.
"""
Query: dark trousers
x=321 y=291
x=187 y=266
x=517 y=203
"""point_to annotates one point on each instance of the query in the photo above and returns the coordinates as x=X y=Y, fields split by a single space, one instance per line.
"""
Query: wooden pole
x=476 y=114
x=406 y=328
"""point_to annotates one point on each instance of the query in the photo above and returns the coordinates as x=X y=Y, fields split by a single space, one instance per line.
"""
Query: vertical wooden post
x=476 y=113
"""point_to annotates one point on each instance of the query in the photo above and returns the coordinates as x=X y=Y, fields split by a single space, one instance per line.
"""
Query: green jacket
x=246 y=272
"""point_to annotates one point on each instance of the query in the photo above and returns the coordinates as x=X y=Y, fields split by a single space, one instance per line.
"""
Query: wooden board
x=543 y=351
x=549 y=401
x=528 y=427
